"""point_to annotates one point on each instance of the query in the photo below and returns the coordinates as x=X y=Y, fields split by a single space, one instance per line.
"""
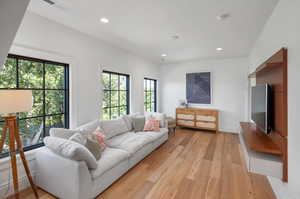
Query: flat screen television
x=261 y=111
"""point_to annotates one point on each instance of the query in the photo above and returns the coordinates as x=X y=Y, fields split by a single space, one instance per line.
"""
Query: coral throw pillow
x=99 y=136
x=152 y=125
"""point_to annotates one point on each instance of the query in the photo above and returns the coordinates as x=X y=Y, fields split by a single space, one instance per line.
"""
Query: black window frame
x=151 y=91
x=118 y=90
x=66 y=90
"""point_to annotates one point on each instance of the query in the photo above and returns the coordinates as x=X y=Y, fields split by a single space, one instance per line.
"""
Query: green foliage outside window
x=50 y=94
x=150 y=95
x=115 y=95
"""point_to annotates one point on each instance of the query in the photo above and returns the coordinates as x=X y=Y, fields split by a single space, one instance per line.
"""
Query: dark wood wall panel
x=278 y=113
x=273 y=77
x=274 y=72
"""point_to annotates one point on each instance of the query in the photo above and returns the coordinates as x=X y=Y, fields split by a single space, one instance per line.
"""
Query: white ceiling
x=146 y=27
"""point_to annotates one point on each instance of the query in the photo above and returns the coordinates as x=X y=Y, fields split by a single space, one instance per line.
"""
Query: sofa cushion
x=79 y=138
x=138 y=123
x=90 y=142
x=71 y=150
x=62 y=133
x=89 y=127
x=154 y=135
x=117 y=140
x=128 y=120
x=130 y=142
x=94 y=147
x=112 y=128
x=110 y=157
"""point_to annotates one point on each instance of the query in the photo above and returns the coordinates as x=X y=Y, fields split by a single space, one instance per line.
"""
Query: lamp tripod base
x=14 y=139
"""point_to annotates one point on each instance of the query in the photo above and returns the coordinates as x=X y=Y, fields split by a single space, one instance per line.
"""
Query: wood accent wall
x=274 y=72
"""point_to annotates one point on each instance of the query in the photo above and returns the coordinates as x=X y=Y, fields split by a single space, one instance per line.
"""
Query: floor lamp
x=11 y=102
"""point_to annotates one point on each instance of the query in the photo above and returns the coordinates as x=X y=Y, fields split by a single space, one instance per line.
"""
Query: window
x=115 y=95
x=150 y=87
x=49 y=82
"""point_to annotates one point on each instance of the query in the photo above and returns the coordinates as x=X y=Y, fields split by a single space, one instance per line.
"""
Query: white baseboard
x=7 y=189
x=232 y=132
x=281 y=189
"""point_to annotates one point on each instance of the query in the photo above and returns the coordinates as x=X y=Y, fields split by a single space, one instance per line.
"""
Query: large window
x=150 y=102
x=49 y=82
x=115 y=95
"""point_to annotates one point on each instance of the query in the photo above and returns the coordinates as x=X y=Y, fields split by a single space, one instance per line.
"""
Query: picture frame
x=199 y=88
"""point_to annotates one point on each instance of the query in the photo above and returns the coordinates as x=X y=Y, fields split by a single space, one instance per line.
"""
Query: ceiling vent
x=223 y=16
x=62 y=5
x=49 y=2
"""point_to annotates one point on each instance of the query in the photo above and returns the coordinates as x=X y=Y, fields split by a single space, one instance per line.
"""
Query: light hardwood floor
x=191 y=165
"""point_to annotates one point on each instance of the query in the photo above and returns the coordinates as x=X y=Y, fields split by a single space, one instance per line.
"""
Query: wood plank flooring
x=191 y=165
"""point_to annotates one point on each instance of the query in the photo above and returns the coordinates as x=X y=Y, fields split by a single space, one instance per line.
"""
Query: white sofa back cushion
x=128 y=120
x=62 y=133
x=112 y=128
x=89 y=127
x=71 y=150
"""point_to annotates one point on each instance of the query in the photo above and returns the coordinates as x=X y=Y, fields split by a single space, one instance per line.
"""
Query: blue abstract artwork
x=198 y=88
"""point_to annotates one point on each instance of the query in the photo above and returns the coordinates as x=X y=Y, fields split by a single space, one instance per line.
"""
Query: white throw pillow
x=78 y=138
x=62 y=133
x=112 y=128
x=71 y=150
x=128 y=122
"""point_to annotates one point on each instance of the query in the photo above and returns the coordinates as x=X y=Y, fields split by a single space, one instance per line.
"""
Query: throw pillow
x=160 y=117
x=152 y=125
x=71 y=150
x=78 y=138
x=138 y=123
x=99 y=136
x=91 y=142
x=128 y=120
x=94 y=147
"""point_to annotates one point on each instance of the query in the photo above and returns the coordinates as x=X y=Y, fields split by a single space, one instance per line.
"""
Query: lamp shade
x=14 y=101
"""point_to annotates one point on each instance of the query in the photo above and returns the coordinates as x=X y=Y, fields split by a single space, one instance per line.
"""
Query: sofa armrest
x=62 y=177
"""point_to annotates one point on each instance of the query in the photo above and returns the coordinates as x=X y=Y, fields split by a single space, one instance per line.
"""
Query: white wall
x=40 y=38
x=11 y=14
x=229 y=83
x=283 y=30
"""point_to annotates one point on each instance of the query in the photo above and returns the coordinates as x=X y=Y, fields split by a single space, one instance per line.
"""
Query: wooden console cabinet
x=205 y=119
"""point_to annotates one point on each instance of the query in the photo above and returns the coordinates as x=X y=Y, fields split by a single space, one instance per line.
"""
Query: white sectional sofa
x=70 y=179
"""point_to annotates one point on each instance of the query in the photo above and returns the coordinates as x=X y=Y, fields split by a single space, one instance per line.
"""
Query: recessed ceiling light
x=219 y=49
x=163 y=55
x=104 y=20
x=175 y=37
x=223 y=16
